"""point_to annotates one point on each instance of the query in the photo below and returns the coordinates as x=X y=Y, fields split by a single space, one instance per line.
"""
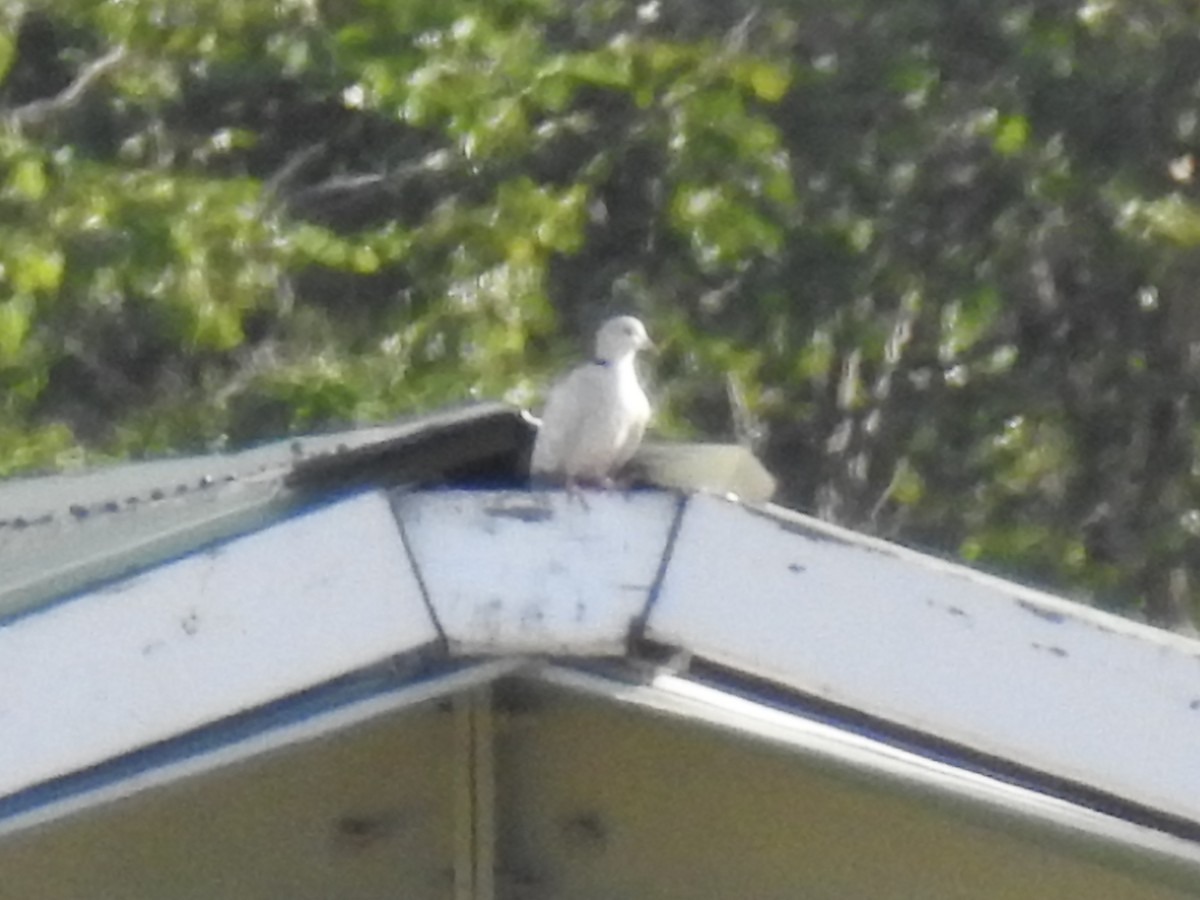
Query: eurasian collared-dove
x=595 y=417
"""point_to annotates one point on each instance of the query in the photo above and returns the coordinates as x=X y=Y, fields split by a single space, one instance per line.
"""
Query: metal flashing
x=61 y=534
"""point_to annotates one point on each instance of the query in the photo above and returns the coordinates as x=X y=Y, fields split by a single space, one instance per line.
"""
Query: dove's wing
x=563 y=421
x=636 y=429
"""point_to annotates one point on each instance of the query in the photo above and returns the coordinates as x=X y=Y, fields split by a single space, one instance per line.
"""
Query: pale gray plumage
x=595 y=417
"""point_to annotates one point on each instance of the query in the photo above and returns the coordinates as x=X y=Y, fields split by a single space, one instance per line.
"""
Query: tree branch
x=41 y=112
x=281 y=182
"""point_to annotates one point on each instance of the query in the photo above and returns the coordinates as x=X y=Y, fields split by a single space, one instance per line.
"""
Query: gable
x=873 y=677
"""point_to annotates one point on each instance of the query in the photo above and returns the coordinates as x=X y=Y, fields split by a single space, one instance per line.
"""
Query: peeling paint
x=587 y=831
x=807 y=531
x=948 y=608
x=795 y=523
x=190 y=623
x=1042 y=612
x=532 y=617
x=82 y=512
x=560 y=578
x=356 y=832
x=1052 y=650
x=522 y=512
x=142 y=659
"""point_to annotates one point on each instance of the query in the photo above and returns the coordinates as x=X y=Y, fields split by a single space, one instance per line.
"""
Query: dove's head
x=621 y=337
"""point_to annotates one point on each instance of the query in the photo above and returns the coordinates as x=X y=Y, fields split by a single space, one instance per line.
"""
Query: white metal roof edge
x=936 y=648
x=114 y=562
x=1053 y=604
x=1106 y=840
x=1103 y=839
x=786 y=621
x=65 y=532
x=319 y=596
x=194 y=757
x=38 y=494
x=547 y=572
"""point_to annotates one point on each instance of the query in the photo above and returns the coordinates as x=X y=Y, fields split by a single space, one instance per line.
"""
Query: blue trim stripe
x=287 y=711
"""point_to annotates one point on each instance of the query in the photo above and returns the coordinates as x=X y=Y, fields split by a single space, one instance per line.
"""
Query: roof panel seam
x=637 y=627
x=393 y=497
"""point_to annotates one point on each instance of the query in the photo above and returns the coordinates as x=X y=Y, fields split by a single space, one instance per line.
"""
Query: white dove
x=595 y=417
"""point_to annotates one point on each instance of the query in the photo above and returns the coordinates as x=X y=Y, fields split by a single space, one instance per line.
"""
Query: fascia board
x=195 y=754
x=205 y=637
x=541 y=572
x=938 y=648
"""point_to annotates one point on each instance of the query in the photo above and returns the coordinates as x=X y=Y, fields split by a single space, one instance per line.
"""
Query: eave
x=873 y=658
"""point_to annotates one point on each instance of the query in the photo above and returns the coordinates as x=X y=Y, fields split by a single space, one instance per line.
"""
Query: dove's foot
x=575 y=493
x=601 y=483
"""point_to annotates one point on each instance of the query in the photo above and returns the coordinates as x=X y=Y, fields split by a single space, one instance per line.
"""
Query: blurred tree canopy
x=934 y=259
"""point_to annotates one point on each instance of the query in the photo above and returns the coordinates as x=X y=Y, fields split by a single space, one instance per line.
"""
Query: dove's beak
x=648 y=345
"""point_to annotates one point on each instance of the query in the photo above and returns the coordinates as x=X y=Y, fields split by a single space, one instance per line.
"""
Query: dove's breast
x=592 y=424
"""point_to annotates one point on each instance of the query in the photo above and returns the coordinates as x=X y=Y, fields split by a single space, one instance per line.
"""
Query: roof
x=358 y=591
x=580 y=784
x=63 y=532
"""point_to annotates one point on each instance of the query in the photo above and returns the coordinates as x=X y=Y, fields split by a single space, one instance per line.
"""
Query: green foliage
x=935 y=260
